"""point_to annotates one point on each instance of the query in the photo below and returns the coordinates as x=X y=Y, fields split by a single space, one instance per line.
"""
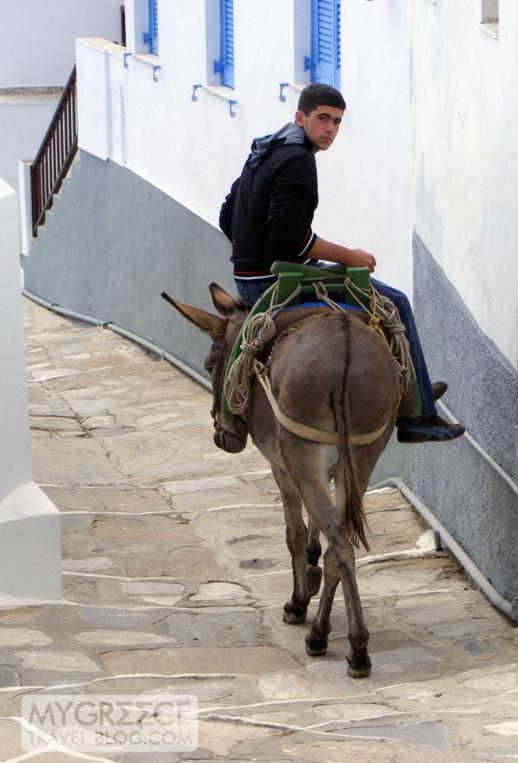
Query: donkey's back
x=335 y=359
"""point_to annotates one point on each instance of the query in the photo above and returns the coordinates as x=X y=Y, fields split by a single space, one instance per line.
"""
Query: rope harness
x=260 y=329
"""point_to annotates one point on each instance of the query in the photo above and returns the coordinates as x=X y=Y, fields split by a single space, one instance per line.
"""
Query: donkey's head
x=223 y=330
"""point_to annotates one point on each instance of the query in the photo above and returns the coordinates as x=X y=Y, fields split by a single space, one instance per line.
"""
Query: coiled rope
x=257 y=332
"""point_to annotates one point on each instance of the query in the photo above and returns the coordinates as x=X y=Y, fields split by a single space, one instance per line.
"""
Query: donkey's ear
x=223 y=302
x=206 y=322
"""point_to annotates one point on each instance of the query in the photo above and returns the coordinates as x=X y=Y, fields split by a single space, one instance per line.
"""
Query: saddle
x=303 y=286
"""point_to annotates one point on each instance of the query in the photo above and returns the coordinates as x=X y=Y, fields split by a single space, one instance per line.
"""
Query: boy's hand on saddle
x=351 y=258
x=363 y=259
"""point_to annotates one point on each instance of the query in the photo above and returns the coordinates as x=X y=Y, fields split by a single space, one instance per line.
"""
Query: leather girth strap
x=309 y=433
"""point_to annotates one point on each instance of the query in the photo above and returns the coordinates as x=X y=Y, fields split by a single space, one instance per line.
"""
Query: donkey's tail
x=355 y=520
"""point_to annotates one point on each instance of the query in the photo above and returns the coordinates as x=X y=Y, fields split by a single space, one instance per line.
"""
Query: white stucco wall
x=37 y=38
x=369 y=174
x=15 y=464
x=29 y=523
x=466 y=111
x=165 y=136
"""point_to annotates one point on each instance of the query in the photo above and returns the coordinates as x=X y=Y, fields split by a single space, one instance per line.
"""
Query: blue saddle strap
x=321 y=304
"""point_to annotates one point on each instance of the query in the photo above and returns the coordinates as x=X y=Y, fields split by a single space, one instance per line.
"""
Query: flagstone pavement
x=175 y=571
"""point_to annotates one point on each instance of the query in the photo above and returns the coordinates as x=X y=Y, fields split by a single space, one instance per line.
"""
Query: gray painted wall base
x=476 y=505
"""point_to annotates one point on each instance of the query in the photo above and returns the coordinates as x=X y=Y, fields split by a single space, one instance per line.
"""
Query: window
x=225 y=66
x=151 y=36
x=325 y=61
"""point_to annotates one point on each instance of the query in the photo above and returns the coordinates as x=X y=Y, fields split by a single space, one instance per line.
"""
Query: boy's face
x=321 y=125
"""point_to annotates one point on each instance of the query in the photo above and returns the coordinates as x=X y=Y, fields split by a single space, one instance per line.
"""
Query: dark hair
x=317 y=95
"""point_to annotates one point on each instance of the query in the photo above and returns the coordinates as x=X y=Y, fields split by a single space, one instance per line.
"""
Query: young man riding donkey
x=326 y=400
x=267 y=216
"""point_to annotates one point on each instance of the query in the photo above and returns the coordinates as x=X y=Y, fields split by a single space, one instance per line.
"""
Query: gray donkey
x=331 y=372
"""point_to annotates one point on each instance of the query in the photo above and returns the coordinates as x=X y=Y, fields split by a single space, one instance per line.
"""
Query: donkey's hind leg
x=316 y=640
x=313 y=554
x=297 y=540
x=328 y=519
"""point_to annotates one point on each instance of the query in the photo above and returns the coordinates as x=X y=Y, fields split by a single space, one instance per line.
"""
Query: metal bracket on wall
x=283 y=86
x=155 y=73
x=125 y=56
x=231 y=105
x=194 y=97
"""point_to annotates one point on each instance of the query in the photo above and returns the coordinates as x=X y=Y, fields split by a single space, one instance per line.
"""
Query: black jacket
x=268 y=213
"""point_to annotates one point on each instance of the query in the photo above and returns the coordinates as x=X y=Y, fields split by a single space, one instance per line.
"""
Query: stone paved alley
x=175 y=571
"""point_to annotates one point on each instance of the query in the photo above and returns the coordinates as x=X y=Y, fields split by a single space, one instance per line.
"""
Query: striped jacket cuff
x=307 y=245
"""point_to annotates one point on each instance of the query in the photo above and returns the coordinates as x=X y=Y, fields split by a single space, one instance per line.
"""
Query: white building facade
x=422 y=175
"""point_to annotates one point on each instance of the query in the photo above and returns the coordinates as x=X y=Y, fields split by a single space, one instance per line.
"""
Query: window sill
x=490 y=28
x=151 y=59
x=227 y=94
x=221 y=91
x=148 y=59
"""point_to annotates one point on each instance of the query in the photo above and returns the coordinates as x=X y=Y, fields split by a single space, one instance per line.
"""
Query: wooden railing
x=56 y=154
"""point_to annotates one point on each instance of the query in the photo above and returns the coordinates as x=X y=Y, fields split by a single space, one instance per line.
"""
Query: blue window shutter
x=225 y=66
x=151 y=37
x=325 y=42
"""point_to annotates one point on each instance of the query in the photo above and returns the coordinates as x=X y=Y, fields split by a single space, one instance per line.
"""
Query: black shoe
x=431 y=429
x=438 y=389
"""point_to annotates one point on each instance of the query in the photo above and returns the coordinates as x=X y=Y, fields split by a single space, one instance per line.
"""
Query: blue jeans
x=404 y=309
x=250 y=291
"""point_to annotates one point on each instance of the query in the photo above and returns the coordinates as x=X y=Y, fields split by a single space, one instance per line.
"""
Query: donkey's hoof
x=359 y=668
x=316 y=646
x=314 y=576
x=293 y=614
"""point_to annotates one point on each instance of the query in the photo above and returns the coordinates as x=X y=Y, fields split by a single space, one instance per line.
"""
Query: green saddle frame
x=289 y=276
